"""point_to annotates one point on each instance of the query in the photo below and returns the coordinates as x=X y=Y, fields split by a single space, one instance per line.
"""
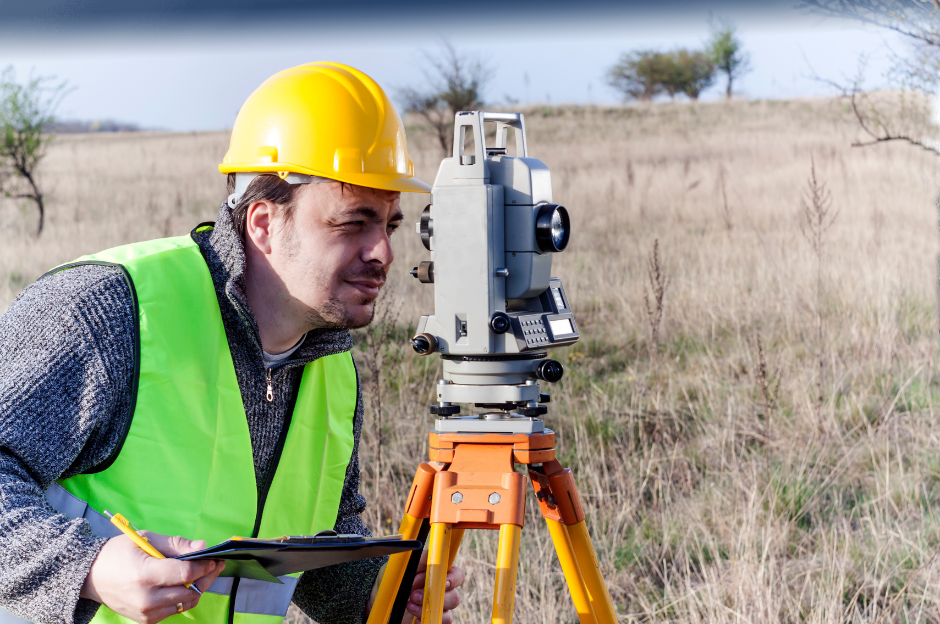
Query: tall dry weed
x=816 y=219
x=654 y=295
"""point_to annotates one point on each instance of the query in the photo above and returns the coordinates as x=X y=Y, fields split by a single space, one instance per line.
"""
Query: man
x=202 y=385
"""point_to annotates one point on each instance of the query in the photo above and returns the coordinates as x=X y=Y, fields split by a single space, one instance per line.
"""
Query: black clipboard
x=266 y=559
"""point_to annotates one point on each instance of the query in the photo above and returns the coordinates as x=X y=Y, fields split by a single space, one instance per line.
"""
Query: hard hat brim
x=385 y=182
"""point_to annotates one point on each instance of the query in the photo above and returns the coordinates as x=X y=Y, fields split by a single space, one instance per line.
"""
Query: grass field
x=772 y=458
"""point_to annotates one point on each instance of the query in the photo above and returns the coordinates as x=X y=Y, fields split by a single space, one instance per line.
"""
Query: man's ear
x=258 y=220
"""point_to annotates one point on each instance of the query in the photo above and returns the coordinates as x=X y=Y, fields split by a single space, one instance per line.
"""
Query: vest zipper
x=268 y=478
x=270 y=394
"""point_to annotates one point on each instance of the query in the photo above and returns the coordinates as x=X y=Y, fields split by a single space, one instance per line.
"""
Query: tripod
x=470 y=483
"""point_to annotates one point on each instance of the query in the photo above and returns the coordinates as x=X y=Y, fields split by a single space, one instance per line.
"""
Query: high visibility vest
x=184 y=465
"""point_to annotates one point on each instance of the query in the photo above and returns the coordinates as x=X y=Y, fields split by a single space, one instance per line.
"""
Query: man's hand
x=144 y=588
x=455 y=579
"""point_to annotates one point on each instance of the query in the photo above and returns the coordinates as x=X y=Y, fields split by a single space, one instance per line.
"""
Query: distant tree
x=697 y=70
x=27 y=112
x=724 y=51
x=672 y=76
x=639 y=75
x=454 y=82
x=686 y=71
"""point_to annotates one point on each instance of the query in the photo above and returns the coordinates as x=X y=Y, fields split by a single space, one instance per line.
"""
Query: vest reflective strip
x=72 y=506
x=254 y=597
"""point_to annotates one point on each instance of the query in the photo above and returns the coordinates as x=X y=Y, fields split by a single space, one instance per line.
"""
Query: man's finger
x=173 y=545
x=456 y=577
x=451 y=599
x=171 y=596
x=419 y=580
x=163 y=613
x=204 y=583
x=171 y=572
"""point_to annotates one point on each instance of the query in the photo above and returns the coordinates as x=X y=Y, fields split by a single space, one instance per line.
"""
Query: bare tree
x=27 y=112
x=454 y=82
x=903 y=114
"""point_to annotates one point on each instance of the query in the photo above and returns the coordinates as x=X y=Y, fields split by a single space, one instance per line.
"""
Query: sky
x=188 y=65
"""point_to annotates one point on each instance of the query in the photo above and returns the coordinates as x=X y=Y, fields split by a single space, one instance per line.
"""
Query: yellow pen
x=129 y=530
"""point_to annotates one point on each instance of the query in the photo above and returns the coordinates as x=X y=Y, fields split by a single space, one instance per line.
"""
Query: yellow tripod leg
x=590 y=571
x=456 y=535
x=394 y=572
x=507 y=564
x=569 y=566
x=434 y=583
x=416 y=510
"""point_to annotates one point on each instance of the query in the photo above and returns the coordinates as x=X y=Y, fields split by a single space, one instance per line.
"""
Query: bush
x=644 y=74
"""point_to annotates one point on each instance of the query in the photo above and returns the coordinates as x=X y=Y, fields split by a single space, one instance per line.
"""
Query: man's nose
x=380 y=250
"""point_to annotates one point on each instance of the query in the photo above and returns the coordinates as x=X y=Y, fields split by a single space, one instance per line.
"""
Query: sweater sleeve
x=338 y=594
x=66 y=352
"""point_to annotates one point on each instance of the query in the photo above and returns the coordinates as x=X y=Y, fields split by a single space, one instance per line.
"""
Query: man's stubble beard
x=333 y=314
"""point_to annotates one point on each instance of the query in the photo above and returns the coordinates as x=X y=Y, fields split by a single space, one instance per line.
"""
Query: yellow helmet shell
x=323 y=119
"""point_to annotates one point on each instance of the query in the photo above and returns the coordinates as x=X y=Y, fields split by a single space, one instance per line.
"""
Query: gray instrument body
x=486 y=259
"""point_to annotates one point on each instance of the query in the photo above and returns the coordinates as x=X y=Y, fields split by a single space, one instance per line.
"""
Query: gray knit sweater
x=66 y=365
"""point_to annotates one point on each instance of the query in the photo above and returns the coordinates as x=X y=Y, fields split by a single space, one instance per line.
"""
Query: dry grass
x=718 y=486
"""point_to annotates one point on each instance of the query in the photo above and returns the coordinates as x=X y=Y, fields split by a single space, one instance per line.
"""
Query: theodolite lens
x=552 y=228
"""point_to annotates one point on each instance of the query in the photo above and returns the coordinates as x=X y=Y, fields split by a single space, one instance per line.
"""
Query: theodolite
x=492 y=229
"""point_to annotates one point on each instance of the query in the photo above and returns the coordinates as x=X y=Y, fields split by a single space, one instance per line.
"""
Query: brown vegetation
x=719 y=485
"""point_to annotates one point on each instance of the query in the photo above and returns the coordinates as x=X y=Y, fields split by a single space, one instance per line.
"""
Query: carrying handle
x=504 y=121
x=471 y=165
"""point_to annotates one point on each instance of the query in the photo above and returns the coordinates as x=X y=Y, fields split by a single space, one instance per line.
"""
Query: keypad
x=533 y=330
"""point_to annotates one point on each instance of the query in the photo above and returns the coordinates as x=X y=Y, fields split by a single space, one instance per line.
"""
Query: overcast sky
x=189 y=65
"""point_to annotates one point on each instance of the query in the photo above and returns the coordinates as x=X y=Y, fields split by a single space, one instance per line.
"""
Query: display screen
x=556 y=293
x=561 y=327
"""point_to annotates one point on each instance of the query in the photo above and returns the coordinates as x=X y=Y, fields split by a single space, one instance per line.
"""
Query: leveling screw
x=456 y=498
x=494 y=498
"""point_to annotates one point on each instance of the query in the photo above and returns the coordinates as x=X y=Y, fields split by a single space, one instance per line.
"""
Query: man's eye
x=392 y=227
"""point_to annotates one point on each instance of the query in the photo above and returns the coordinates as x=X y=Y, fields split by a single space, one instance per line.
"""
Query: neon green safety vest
x=185 y=464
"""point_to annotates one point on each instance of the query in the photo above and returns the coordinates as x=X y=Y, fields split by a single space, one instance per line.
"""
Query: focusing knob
x=550 y=370
x=424 y=344
x=424 y=272
x=500 y=323
x=426 y=227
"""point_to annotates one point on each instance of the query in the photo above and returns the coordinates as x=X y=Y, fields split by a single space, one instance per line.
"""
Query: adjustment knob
x=550 y=370
x=426 y=227
x=424 y=272
x=500 y=323
x=424 y=344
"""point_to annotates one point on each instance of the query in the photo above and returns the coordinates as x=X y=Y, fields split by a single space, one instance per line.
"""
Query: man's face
x=335 y=250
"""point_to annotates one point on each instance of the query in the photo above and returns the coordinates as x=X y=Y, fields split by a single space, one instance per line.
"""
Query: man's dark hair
x=270 y=187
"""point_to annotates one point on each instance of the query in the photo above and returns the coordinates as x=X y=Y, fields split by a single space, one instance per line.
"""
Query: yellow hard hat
x=327 y=120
